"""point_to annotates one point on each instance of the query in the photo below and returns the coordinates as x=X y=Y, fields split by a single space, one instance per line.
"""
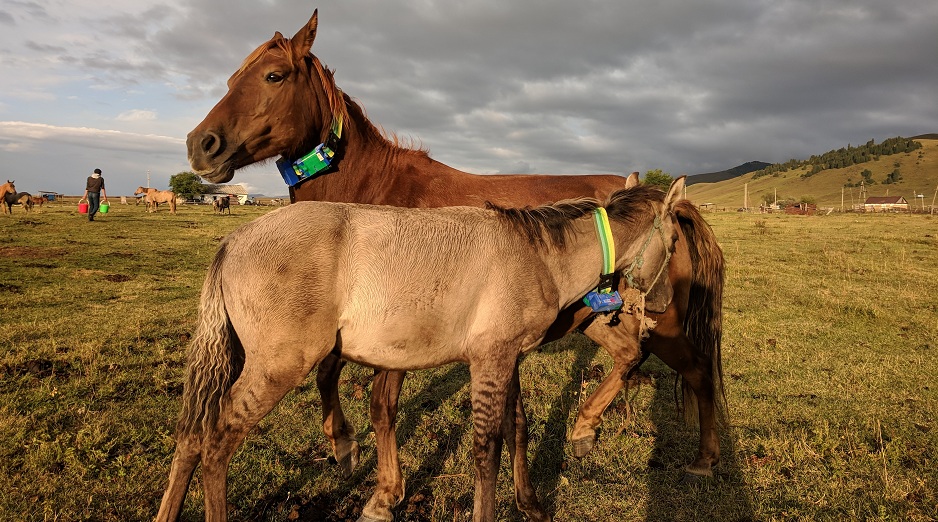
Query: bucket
x=103 y=207
x=82 y=207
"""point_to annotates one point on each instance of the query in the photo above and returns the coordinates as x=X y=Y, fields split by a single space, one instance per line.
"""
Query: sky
x=520 y=86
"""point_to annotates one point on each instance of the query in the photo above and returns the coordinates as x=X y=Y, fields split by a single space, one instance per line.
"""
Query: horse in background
x=12 y=197
x=39 y=201
x=220 y=205
x=154 y=197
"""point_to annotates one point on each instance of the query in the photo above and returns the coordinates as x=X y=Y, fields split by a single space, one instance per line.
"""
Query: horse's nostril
x=211 y=143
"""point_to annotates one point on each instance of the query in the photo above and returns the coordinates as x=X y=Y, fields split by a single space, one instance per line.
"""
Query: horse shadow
x=346 y=500
x=726 y=496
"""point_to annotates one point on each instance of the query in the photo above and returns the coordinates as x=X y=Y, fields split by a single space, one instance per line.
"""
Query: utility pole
x=746 y=197
x=148 y=178
x=841 y=198
x=933 y=201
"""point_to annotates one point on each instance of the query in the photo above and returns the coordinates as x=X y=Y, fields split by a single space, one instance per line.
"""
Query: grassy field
x=830 y=353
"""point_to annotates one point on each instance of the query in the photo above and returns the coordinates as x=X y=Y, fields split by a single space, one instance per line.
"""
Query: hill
x=918 y=171
x=723 y=175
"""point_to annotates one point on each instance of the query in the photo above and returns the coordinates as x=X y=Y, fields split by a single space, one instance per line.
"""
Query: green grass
x=829 y=352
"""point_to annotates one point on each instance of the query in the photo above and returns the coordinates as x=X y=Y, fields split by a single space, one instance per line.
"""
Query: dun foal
x=401 y=289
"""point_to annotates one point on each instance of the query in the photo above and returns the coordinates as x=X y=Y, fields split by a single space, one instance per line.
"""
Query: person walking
x=93 y=191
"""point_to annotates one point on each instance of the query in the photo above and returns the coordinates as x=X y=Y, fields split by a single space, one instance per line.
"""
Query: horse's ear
x=303 y=39
x=675 y=192
x=632 y=180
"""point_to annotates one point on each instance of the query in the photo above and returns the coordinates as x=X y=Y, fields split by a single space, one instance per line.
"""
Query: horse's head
x=643 y=263
x=140 y=190
x=8 y=188
x=279 y=102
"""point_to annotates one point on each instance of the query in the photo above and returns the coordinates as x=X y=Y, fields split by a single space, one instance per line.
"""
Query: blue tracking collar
x=316 y=162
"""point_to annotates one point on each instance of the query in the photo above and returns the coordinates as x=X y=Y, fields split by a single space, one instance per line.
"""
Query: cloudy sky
x=610 y=86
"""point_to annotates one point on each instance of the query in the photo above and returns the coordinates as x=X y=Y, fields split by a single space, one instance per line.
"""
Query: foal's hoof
x=583 y=446
x=366 y=518
x=697 y=475
x=349 y=461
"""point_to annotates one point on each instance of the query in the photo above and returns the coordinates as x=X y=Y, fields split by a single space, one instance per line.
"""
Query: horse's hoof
x=366 y=518
x=583 y=446
x=697 y=476
x=349 y=461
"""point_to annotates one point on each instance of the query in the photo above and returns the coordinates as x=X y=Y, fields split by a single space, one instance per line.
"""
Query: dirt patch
x=118 y=278
x=26 y=252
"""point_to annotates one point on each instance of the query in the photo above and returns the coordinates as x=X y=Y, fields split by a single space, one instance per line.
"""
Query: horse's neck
x=577 y=267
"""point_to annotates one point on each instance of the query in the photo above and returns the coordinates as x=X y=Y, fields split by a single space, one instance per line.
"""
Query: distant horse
x=220 y=205
x=400 y=288
x=8 y=189
x=371 y=168
x=154 y=197
x=39 y=200
x=16 y=198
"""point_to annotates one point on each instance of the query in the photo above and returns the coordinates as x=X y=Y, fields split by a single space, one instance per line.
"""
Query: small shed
x=886 y=204
x=49 y=195
x=212 y=191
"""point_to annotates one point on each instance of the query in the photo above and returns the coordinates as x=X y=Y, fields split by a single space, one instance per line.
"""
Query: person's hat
x=97 y=171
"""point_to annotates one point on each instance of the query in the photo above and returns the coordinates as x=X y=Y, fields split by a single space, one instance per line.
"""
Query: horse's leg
x=185 y=459
x=622 y=343
x=334 y=425
x=258 y=389
x=672 y=346
x=490 y=380
x=385 y=392
x=515 y=433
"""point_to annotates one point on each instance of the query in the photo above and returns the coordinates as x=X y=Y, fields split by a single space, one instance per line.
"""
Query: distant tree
x=186 y=184
x=893 y=177
x=658 y=178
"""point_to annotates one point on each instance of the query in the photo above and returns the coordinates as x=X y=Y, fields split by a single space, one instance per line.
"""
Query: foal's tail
x=212 y=366
x=703 y=322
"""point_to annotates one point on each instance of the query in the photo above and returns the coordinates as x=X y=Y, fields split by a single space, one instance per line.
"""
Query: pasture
x=830 y=355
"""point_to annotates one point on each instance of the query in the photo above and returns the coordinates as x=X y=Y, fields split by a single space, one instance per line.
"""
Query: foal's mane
x=550 y=224
x=546 y=224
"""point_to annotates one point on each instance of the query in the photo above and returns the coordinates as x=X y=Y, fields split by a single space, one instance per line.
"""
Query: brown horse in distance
x=154 y=197
x=7 y=189
x=302 y=102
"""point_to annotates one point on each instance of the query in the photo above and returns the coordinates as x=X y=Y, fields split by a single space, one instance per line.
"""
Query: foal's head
x=281 y=101
x=646 y=214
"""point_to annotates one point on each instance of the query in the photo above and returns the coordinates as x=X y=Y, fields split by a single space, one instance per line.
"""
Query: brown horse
x=472 y=285
x=39 y=200
x=7 y=191
x=155 y=197
x=302 y=104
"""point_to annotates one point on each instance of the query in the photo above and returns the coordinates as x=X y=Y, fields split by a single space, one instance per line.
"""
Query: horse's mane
x=547 y=223
x=628 y=206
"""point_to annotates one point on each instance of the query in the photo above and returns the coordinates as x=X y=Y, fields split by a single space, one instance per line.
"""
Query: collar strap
x=314 y=163
x=608 y=245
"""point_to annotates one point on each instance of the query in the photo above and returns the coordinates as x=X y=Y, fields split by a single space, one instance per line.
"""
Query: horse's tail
x=212 y=363
x=703 y=322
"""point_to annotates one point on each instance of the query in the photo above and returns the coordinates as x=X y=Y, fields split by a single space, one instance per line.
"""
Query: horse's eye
x=273 y=78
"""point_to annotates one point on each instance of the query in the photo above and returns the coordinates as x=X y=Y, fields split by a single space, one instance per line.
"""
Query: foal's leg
x=385 y=392
x=673 y=347
x=622 y=343
x=515 y=433
x=490 y=380
x=258 y=389
x=185 y=459
x=334 y=425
